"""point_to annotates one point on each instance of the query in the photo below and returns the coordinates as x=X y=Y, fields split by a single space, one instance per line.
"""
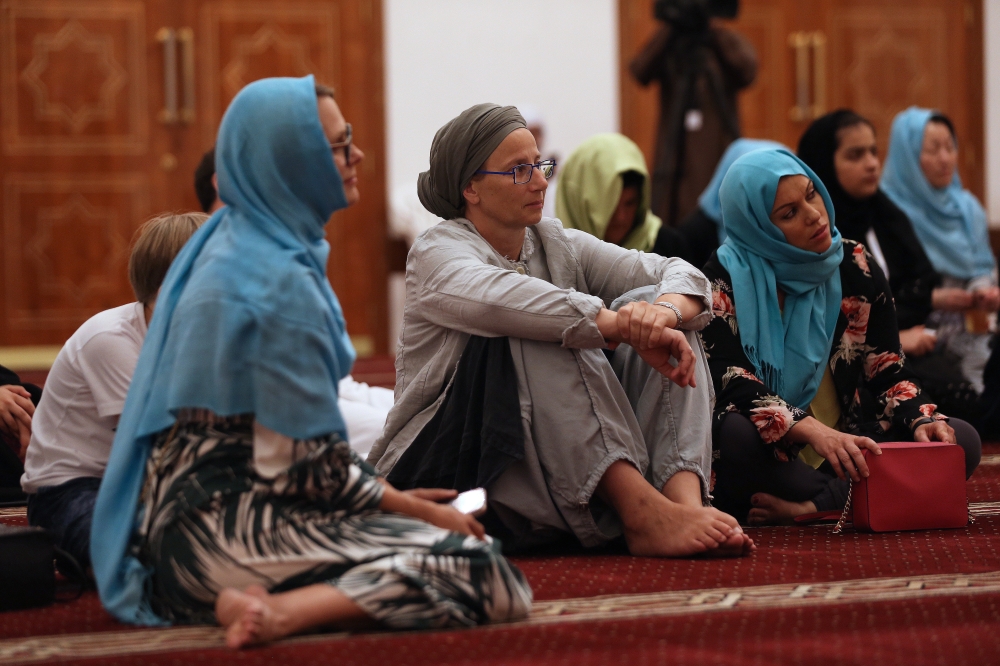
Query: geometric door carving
x=73 y=77
x=65 y=249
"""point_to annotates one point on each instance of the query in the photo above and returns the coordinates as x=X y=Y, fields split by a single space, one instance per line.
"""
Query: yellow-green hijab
x=590 y=185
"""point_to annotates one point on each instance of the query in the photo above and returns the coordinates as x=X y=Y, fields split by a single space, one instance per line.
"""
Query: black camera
x=693 y=15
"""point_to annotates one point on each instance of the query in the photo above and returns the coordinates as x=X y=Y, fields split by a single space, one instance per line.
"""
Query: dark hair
x=946 y=121
x=632 y=179
x=324 y=91
x=203 y=185
x=846 y=118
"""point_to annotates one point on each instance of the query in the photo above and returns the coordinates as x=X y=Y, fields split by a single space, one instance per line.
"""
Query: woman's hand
x=433 y=494
x=935 y=431
x=16 y=410
x=842 y=450
x=413 y=503
x=987 y=299
x=448 y=517
x=916 y=341
x=951 y=299
x=649 y=330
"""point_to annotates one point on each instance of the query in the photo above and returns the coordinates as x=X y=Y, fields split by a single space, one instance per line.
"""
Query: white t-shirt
x=74 y=424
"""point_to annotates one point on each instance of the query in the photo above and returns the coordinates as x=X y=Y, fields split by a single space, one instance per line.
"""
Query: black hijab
x=911 y=276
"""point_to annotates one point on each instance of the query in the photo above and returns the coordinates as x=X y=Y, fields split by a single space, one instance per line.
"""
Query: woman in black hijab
x=840 y=147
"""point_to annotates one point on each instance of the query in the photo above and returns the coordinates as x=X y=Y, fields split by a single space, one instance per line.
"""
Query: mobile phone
x=471 y=502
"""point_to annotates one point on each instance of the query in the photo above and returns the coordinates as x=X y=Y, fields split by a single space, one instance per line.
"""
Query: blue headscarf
x=950 y=221
x=788 y=349
x=709 y=199
x=245 y=322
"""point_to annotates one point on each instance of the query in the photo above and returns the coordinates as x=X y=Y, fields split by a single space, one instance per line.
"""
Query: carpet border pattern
x=588 y=609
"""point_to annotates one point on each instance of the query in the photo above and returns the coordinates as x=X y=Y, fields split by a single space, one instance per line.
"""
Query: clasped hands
x=648 y=329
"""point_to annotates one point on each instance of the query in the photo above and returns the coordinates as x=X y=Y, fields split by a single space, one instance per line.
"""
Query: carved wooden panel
x=73 y=77
x=241 y=42
x=340 y=42
x=889 y=61
x=65 y=248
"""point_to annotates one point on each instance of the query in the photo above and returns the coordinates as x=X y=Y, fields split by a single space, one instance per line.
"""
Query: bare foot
x=738 y=545
x=771 y=510
x=247 y=617
x=661 y=528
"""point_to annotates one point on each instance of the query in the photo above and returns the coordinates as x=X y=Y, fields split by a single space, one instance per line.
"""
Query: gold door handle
x=186 y=37
x=818 y=42
x=800 y=41
x=167 y=37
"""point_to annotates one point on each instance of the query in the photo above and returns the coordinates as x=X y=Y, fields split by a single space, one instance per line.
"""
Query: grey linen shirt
x=457 y=285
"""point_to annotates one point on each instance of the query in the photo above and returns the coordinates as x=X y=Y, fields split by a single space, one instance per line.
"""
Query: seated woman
x=702 y=231
x=604 y=190
x=840 y=148
x=803 y=351
x=921 y=177
x=231 y=492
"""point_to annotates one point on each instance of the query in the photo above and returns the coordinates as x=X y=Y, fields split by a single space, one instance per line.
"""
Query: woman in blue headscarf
x=804 y=350
x=231 y=492
x=921 y=177
x=702 y=230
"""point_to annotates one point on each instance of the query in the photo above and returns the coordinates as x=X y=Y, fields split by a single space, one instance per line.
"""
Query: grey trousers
x=581 y=413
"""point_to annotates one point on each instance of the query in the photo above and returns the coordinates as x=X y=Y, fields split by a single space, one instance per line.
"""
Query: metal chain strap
x=847 y=509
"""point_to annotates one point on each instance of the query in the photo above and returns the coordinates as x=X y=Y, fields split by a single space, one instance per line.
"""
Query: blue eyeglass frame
x=513 y=171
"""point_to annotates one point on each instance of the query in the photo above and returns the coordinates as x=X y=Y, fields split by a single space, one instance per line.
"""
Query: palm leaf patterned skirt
x=210 y=520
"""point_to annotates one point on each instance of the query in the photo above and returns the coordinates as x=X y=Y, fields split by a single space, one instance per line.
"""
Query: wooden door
x=106 y=109
x=819 y=55
x=882 y=60
x=79 y=151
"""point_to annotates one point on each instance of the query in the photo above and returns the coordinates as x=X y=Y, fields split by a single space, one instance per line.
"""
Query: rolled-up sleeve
x=457 y=290
x=613 y=272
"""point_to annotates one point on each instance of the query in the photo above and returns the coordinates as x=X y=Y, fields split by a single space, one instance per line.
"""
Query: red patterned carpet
x=807 y=596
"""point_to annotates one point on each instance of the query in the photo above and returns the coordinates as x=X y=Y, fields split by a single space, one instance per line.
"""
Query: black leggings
x=746 y=465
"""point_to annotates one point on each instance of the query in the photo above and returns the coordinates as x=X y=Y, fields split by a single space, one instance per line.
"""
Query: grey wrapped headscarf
x=459 y=149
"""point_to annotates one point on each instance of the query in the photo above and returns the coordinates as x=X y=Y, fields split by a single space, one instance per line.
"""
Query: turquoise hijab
x=950 y=221
x=709 y=199
x=246 y=321
x=789 y=349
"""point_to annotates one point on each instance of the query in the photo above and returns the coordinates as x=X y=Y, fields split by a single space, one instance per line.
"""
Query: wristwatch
x=677 y=311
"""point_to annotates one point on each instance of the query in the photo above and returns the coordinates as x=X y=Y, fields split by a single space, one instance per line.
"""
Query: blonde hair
x=154 y=247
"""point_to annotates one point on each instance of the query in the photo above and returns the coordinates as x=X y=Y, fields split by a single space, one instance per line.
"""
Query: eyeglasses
x=523 y=172
x=345 y=144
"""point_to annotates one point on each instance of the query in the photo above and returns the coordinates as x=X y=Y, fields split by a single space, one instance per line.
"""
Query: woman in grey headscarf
x=502 y=379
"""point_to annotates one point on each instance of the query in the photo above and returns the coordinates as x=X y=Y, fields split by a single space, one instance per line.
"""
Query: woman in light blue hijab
x=702 y=230
x=921 y=177
x=231 y=494
x=803 y=351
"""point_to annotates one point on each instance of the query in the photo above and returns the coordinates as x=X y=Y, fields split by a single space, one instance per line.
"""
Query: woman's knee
x=737 y=438
x=967 y=437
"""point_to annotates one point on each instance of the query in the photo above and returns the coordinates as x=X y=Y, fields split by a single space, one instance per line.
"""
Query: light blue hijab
x=789 y=349
x=246 y=321
x=950 y=221
x=709 y=199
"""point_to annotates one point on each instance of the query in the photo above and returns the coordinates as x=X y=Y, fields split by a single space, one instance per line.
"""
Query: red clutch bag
x=911 y=486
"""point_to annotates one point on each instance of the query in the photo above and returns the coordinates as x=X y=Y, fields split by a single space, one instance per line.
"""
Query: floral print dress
x=878 y=397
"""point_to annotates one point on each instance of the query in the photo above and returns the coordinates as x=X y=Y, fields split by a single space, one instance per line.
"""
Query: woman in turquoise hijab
x=231 y=494
x=921 y=177
x=803 y=351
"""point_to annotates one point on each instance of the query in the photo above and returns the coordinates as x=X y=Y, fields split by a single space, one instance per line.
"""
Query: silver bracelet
x=677 y=311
